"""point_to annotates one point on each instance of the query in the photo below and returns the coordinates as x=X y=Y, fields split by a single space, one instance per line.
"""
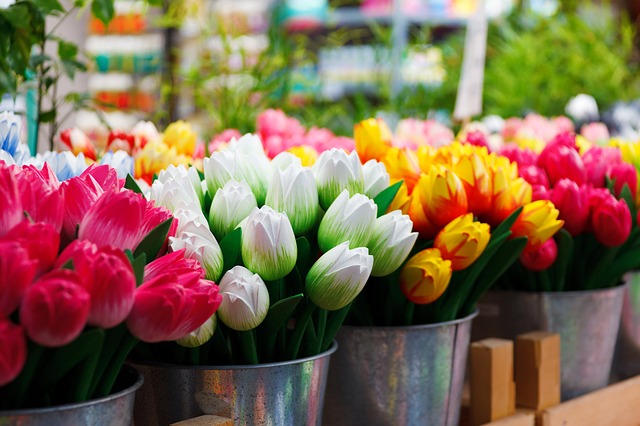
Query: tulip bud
x=41 y=241
x=55 y=308
x=10 y=203
x=540 y=258
x=337 y=278
x=421 y=223
x=174 y=194
x=473 y=172
x=391 y=242
x=245 y=299
x=425 y=276
x=596 y=162
x=120 y=161
x=376 y=178
x=538 y=222
x=76 y=141
x=373 y=139
x=443 y=196
x=462 y=241
x=403 y=164
x=231 y=204
x=144 y=132
x=268 y=244
x=10 y=126
x=336 y=171
x=180 y=136
x=17 y=272
x=294 y=192
x=284 y=160
x=201 y=335
x=347 y=219
x=203 y=247
x=611 y=221
x=13 y=351
x=573 y=204
x=561 y=161
x=187 y=178
x=534 y=175
x=623 y=174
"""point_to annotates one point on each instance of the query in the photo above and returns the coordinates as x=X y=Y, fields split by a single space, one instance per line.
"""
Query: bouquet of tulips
x=595 y=192
x=474 y=216
x=292 y=247
x=85 y=275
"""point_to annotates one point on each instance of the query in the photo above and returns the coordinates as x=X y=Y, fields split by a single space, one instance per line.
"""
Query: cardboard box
x=537 y=370
x=492 y=385
x=207 y=420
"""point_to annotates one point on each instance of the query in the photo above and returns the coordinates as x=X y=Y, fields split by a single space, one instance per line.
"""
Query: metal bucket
x=398 y=375
x=287 y=393
x=627 y=359
x=587 y=322
x=112 y=410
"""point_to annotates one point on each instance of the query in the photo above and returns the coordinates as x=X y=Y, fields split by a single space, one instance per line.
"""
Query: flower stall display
x=84 y=275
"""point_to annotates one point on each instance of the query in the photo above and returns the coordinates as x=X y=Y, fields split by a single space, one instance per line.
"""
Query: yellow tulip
x=425 y=276
x=307 y=154
x=155 y=157
x=443 y=196
x=402 y=200
x=425 y=155
x=538 y=221
x=402 y=164
x=179 y=135
x=462 y=241
x=372 y=138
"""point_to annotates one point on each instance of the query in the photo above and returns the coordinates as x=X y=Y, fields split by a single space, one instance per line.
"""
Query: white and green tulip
x=231 y=205
x=174 y=194
x=376 y=178
x=284 y=160
x=391 y=242
x=201 y=335
x=186 y=177
x=293 y=191
x=245 y=299
x=203 y=248
x=338 y=276
x=347 y=219
x=268 y=244
x=336 y=171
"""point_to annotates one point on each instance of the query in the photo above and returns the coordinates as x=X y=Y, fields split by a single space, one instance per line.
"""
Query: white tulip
x=64 y=164
x=186 y=177
x=336 y=171
x=284 y=160
x=294 y=192
x=347 y=219
x=391 y=242
x=268 y=244
x=119 y=160
x=337 y=278
x=201 y=335
x=231 y=204
x=376 y=178
x=203 y=248
x=174 y=194
x=245 y=299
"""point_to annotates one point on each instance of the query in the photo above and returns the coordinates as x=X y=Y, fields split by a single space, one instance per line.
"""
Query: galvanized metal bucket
x=626 y=363
x=112 y=410
x=287 y=393
x=587 y=322
x=398 y=376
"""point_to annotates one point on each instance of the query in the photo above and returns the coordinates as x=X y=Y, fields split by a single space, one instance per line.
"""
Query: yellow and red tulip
x=372 y=138
x=462 y=241
x=425 y=276
x=473 y=172
x=443 y=196
x=538 y=221
x=179 y=135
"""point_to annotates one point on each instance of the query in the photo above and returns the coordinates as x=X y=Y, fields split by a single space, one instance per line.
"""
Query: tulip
x=402 y=164
x=523 y=157
x=155 y=157
x=425 y=276
x=64 y=164
x=294 y=192
x=231 y=204
x=421 y=223
x=597 y=161
x=534 y=175
x=13 y=351
x=144 y=132
x=540 y=258
x=338 y=276
x=41 y=241
x=200 y=335
x=118 y=140
x=17 y=271
x=284 y=160
x=376 y=178
x=10 y=201
x=509 y=193
x=349 y=219
x=173 y=301
x=121 y=161
x=179 y=135
x=55 y=308
x=539 y=192
x=473 y=172
x=175 y=193
x=462 y=241
x=611 y=221
x=336 y=171
x=10 y=126
x=623 y=174
x=402 y=201
x=269 y=244
x=373 y=139
x=41 y=199
x=307 y=154
x=538 y=222
x=573 y=204
x=390 y=243
x=245 y=299
x=443 y=196
x=220 y=141
x=560 y=161
x=79 y=194
x=76 y=141
x=203 y=248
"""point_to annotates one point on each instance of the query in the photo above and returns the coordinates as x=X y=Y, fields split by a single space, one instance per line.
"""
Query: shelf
x=346 y=16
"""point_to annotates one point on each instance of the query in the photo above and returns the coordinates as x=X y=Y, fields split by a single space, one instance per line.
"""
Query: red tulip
x=81 y=253
x=597 y=161
x=13 y=351
x=17 y=271
x=573 y=204
x=534 y=175
x=524 y=157
x=120 y=140
x=41 y=196
x=541 y=257
x=560 y=161
x=10 y=204
x=55 y=308
x=173 y=301
x=80 y=193
x=41 y=241
x=566 y=138
x=539 y=192
x=106 y=176
x=611 y=222
x=114 y=220
x=621 y=174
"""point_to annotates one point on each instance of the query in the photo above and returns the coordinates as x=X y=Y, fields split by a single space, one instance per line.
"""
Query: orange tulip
x=372 y=138
x=402 y=163
x=425 y=276
x=443 y=196
x=462 y=241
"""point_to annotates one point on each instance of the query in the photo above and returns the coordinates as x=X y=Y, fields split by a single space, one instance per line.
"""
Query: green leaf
x=138 y=265
x=103 y=10
x=67 y=50
x=564 y=241
x=153 y=242
x=384 y=199
x=68 y=265
x=130 y=183
x=38 y=59
x=303 y=262
x=506 y=224
x=49 y=7
x=278 y=315
x=47 y=116
x=230 y=246
x=625 y=194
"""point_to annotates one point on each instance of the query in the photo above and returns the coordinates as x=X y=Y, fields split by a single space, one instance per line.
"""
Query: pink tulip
x=564 y=138
x=563 y=124
x=41 y=198
x=105 y=175
x=534 y=175
x=541 y=257
x=573 y=204
x=80 y=193
x=560 y=161
x=41 y=241
x=595 y=132
x=17 y=272
x=13 y=351
x=597 y=161
x=81 y=253
x=115 y=220
x=539 y=192
x=623 y=174
x=173 y=301
x=476 y=138
x=10 y=202
x=55 y=308
x=611 y=222
x=220 y=141
x=524 y=157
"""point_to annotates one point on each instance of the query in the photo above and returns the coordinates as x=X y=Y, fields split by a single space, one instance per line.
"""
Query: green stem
x=408 y=312
x=26 y=376
x=322 y=324
x=248 y=343
x=293 y=346
x=111 y=373
x=334 y=321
